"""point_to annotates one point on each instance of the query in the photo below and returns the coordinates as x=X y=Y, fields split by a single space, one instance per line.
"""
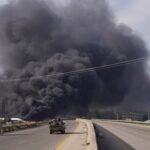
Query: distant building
x=136 y=116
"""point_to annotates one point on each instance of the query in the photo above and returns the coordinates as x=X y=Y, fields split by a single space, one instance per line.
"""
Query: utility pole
x=117 y=115
x=148 y=115
x=3 y=109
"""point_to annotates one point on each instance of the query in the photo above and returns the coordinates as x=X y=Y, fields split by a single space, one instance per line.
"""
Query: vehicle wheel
x=62 y=132
x=51 y=132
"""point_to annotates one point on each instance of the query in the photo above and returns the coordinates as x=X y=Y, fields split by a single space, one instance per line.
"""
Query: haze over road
x=34 y=139
x=138 y=136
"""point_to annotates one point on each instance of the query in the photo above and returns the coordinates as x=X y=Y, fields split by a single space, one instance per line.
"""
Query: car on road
x=148 y=121
x=56 y=125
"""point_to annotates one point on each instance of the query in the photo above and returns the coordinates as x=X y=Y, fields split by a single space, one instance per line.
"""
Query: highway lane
x=138 y=136
x=34 y=139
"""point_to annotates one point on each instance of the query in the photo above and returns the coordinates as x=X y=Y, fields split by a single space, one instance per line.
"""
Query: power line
x=127 y=62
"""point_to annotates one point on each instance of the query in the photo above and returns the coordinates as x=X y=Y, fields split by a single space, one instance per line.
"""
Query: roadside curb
x=91 y=136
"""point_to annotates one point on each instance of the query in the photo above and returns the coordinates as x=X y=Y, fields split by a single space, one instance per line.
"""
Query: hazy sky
x=134 y=13
x=3 y=2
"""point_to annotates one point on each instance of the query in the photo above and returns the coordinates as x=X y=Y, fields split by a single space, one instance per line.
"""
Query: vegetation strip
x=17 y=127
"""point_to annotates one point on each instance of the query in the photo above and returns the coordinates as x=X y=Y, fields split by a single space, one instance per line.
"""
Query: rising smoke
x=41 y=37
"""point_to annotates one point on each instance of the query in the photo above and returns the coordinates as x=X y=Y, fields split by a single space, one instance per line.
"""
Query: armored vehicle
x=57 y=125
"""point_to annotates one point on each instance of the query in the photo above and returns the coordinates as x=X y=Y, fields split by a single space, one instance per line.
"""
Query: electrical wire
x=103 y=67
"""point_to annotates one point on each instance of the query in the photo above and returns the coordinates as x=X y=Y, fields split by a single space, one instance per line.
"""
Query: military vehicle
x=57 y=125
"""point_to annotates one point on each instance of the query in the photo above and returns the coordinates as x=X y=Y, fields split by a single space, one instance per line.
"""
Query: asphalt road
x=34 y=139
x=137 y=136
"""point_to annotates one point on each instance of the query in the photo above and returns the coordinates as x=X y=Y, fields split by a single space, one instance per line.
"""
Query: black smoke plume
x=39 y=38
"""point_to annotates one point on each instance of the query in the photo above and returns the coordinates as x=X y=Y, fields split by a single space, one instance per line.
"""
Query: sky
x=134 y=13
x=3 y=2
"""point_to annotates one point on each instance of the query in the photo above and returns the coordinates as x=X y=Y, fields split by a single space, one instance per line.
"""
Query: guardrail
x=91 y=136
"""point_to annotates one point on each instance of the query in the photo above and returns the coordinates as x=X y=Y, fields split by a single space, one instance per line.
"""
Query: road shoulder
x=76 y=140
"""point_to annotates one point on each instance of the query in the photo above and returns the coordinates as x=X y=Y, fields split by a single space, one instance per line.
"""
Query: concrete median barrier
x=91 y=136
